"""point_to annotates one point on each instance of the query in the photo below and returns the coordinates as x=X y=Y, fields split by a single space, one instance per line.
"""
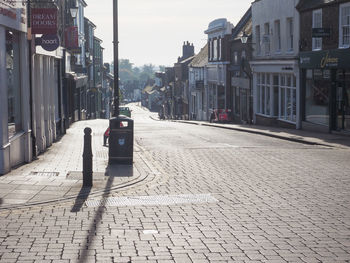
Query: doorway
x=343 y=101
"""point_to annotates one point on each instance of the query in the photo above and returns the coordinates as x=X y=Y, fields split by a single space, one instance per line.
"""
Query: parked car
x=125 y=111
x=221 y=115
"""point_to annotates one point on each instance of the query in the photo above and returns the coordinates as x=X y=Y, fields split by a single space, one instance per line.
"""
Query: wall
x=330 y=19
x=269 y=11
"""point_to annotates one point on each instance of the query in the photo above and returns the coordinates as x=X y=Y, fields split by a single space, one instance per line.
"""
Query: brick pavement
x=277 y=203
x=57 y=174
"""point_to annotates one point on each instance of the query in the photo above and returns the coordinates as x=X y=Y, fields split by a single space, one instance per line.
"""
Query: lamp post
x=116 y=64
x=73 y=11
x=247 y=70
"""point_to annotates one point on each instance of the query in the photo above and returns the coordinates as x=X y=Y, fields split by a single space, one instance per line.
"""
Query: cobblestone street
x=212 y=195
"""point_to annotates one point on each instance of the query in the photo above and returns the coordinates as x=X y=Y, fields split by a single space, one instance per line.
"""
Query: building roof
x=187 y=60
x=244 y=25
x=313 y=4
x=201 y=59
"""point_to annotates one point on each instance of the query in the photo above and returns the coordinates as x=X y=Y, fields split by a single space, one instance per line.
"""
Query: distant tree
x=162 y=68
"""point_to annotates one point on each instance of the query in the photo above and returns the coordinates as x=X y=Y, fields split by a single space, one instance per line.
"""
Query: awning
x=80 y=80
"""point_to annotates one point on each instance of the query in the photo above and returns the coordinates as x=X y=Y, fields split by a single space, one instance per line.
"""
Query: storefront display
x=13 y=83
x=326 y=85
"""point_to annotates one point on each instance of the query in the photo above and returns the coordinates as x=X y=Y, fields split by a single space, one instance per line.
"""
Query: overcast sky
x=153 y=31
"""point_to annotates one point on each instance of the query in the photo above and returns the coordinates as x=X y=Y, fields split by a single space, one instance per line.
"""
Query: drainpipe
x=32 y=126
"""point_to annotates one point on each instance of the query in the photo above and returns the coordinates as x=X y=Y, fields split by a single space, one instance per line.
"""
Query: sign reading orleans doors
x=329 y=59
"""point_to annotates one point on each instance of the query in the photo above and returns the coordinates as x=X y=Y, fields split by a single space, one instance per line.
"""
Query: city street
x=209 y=195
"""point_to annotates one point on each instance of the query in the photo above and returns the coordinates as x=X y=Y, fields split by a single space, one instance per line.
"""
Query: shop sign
x=337 y=58
x=72 y=37
x=44 y=21
x=321 y=32
x=13 y=14
x=48 y=42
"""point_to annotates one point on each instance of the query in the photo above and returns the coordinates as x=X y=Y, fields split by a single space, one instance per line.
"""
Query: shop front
x=326 y=89
x=15 y=132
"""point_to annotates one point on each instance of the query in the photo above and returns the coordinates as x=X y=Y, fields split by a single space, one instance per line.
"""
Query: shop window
x=287 y=98
x=275 y=95
x=263 y=90
x=221 y=97
x=237 y=100
x=317 y=98
x=344 y=26
x=13 y=83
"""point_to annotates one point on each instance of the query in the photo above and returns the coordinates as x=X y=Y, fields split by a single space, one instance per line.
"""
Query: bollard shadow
x=81 y=198
x=95 y=223
x=118 y=170
x=1 y=201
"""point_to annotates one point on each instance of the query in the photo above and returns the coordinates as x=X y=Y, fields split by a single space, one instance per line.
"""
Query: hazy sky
x=153 y=31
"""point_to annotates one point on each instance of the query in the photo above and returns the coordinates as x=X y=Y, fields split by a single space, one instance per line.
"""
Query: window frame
x=341 y=35
x=316 y=40
x=267 y=42
x=258 y=39
x=290 y=34
x=278 y=40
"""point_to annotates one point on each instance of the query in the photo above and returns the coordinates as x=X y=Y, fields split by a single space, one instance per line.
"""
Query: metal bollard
x=87 y=158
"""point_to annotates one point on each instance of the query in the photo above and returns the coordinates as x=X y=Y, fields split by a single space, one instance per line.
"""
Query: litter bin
x=121 y=140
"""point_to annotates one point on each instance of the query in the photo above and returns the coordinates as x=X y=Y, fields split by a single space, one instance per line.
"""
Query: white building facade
x=219 y=32
x=15 y=127
x=276 y=91
x=198 y=86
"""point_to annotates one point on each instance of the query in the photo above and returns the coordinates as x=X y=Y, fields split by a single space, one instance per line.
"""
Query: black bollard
x=87 y=159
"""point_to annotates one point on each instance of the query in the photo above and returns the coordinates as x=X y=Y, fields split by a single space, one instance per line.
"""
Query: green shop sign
x=326 y=59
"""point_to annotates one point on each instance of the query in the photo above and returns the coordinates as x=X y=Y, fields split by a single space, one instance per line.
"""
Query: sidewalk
x=301 y=136
x=57 y=174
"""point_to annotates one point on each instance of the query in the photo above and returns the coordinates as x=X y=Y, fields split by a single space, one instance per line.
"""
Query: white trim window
x=258 y=40
x=290 y=34
x=278 y=36
x=266 y=38
x=344 y=25
x=220 y=48
x=317 y=23
x=215 y=49
x=287 y=98
x=263 y=94
x=210 y=49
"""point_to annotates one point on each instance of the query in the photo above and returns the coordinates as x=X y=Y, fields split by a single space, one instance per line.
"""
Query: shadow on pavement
x=1 y=201
x=81 y=198
x=120 y=170
x=95 y=222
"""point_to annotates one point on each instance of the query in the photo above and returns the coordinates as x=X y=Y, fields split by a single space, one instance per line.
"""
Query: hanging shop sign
x=48 y=42
x=44 y=21
x=72 y=38
x=327 y=59
x=13 y=14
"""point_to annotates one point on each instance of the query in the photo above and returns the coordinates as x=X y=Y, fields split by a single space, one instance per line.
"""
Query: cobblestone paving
x=277 y=202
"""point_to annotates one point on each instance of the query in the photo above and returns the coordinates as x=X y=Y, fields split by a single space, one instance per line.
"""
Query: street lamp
x=73 y=12
x=244 y=38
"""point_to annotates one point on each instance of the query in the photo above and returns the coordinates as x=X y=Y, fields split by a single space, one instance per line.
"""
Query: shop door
x=244 y=111
x=343 y=106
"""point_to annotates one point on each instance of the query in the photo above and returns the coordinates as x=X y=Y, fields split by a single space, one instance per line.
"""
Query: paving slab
x=57 y=173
